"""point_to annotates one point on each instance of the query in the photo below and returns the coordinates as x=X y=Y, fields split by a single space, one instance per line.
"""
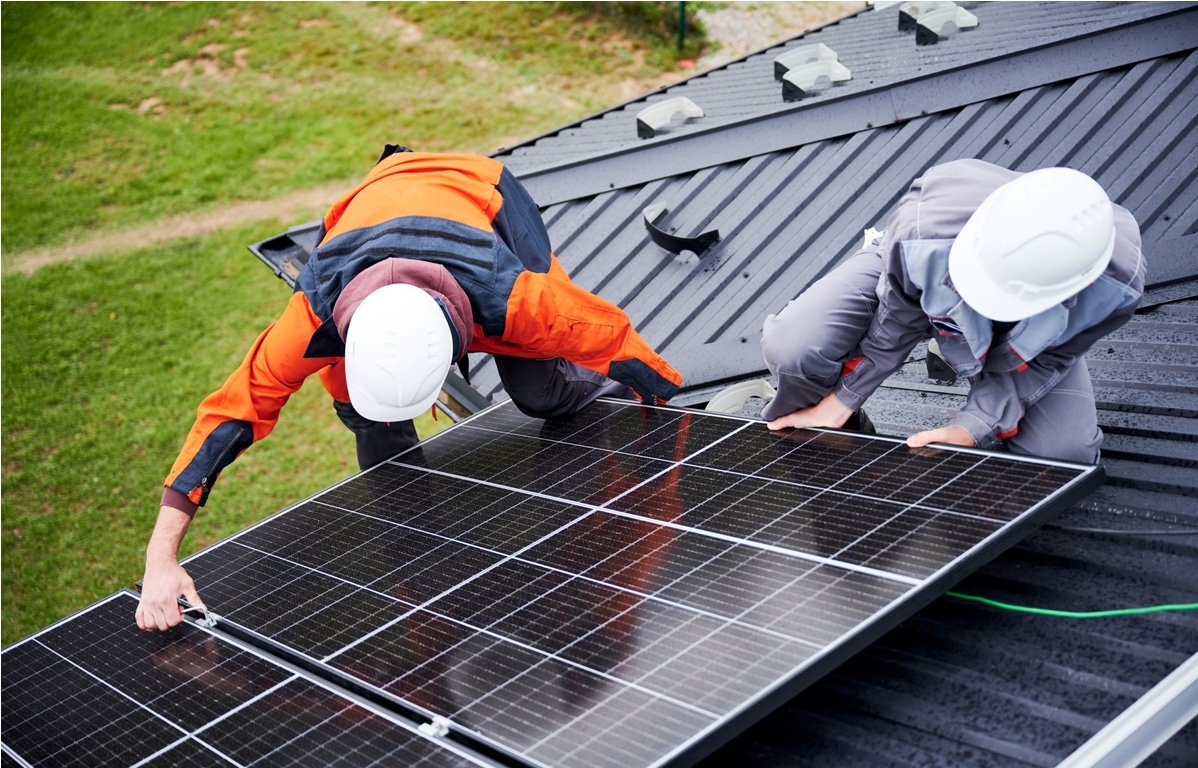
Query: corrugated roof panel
x=785 y=218
x=869 y=44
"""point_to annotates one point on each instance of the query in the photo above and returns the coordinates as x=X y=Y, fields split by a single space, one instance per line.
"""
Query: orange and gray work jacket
x=466 y=213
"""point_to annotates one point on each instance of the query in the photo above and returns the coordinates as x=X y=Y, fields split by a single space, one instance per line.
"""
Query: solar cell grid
x=534 y=573
x=93 y=690
x=70 y=718
x=618 y=587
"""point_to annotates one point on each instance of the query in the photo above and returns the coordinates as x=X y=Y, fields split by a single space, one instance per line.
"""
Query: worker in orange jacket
x=430 y=257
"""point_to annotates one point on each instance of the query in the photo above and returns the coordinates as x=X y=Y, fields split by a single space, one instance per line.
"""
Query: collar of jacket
x=965 y=336
x=433 y=279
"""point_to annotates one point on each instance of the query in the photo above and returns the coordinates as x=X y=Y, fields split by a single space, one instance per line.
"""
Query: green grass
x=120 y=113
x=104 y=363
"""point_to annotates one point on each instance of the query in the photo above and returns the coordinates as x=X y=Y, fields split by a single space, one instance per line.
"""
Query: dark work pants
x=377 y=440
x=544 y=389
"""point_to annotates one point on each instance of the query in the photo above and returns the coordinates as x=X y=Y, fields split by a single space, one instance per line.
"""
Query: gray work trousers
x=807 y=343
x=543 y=388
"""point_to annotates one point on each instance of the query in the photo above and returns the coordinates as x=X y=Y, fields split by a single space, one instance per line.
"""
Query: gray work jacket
x=916 y=299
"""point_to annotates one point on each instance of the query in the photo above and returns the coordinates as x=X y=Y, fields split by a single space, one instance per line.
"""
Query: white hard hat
x=1032 y=243
x=398 y=350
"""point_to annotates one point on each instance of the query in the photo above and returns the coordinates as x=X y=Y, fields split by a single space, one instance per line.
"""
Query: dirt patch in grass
x=296 y=207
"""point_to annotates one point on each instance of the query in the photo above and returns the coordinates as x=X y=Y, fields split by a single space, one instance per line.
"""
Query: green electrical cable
x=1077 y=614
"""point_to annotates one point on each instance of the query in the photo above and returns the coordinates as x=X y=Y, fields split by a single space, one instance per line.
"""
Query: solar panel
x=94 y=690
x=630 y=586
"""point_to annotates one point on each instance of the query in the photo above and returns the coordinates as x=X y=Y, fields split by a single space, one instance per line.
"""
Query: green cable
x=1077 y=614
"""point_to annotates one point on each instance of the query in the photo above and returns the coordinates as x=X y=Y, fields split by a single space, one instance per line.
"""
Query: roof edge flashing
x=1144 y=726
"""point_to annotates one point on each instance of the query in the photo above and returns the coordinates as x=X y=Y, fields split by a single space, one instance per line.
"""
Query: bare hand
x=164 y=583
x=165 y=580
x=944 y=435
x=826 y=413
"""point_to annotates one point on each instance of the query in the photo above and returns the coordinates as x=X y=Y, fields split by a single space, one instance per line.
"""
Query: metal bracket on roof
x=458 y=399
x=799 y=82
x=785 y=62
x=697 y=245
x=287 y=253
x=438 y=727
x=909 y=13
x=928 y=19
x=654 y=117
x=732 y=399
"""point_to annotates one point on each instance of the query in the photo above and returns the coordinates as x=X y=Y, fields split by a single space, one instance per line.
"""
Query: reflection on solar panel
x=94 y=690
x=628 y=587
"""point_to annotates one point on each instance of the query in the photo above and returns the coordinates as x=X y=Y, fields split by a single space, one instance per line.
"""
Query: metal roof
x=786 y=217
x=884 y=62
x=1108 y=88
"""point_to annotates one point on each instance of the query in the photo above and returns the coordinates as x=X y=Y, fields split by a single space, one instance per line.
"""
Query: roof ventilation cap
x=928 y=19
x=654 y=117
x=802 y=55
x=800 y=82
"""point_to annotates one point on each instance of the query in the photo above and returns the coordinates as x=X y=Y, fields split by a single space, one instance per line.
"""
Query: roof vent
x=909 y=13
x=675 y=244
x=654 y=117
x=929 y=18
x=800 y=81
x=802 y=55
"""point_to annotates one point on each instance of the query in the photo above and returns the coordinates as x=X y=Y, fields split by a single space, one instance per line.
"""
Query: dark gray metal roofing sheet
x=785 y=218
x=960 y=684
x=870 y=45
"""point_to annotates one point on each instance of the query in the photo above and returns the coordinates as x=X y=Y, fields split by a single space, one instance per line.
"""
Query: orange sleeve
x=246 y=407
x=549 y=316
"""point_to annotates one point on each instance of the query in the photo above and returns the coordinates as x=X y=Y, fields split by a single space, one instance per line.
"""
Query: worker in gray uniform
x=1015 y=275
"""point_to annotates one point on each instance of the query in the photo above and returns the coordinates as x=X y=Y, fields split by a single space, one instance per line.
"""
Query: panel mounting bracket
x=656 y=116
x=675 y=244
x=806 y=54
x=438 y=727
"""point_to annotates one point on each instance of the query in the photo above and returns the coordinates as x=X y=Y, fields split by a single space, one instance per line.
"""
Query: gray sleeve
x=998 y=399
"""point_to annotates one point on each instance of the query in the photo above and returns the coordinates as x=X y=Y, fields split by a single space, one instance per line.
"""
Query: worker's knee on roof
x=781 y=346
x=1071 y=448
x=794 y=352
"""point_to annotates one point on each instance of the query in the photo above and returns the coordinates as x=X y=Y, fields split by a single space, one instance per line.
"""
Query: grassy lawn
x=104 y=363
x=117 y=114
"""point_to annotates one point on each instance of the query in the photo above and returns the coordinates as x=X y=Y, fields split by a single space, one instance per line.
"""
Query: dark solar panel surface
x=93 y=691
x=622 y=587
